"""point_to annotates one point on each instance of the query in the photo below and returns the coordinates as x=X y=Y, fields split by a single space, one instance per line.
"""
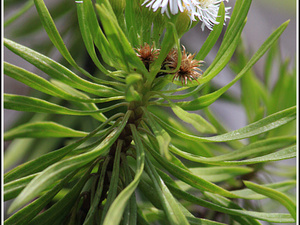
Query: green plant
x=120 y=145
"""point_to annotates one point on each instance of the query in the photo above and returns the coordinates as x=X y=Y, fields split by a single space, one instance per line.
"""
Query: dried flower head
x=147 y=54
x=189 y=67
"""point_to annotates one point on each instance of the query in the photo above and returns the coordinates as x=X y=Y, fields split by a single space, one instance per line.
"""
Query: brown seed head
x=189 y=67
x=147 y=54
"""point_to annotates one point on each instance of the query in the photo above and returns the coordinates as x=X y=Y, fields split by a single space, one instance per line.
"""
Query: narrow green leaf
x=141 y=218
x=55 y=37
x=220 y=126
x=154 y=215
x=221 y=60
x=188 y=177
x=60 y=169
x=117 y=39
x=283 y=93
x=114 y=215
x=41 y=84
x=88 y=38
x=131 y=24
x=113 y=185
x=252 y=101
x=268 y=123
x=58 y=71
x=270 y=217
x=162 y=137
x=94 y=206
x=149 y=192
x=237 y=20
x=62 y=208
x=227 y=203
x=86 y=106
x=42 y=130
x=197 y=121
x=242 y=220
x=16 y=151
x=257 y=148
x=131 y=210
x=281 y=186
x=29 y=212
x=274 y=194
x=30 y=104
x=99 y=38
x=286 y=153
x=44 y=161
x=13 y=188
x=218 y=174
x=269 y=63
x=162 y=113
x=170 y=206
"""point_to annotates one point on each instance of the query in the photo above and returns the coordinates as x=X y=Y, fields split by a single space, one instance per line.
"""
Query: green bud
x=183 y=23
x=132 y=95
x=132 y=84
x=133 y=78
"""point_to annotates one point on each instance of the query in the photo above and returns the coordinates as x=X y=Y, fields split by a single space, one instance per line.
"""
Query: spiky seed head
x=147 y=54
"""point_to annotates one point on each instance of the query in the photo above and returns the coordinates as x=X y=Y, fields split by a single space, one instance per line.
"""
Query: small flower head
x=147 y=54
x=205 y=10
x=189 y=67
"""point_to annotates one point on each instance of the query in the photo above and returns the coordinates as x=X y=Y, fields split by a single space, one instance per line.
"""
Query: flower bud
x=183 y=23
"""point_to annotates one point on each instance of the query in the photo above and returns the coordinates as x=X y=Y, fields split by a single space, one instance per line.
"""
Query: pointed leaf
x=30 y=104
x=116 y=210
x=286 y=153
x=170 y=206
x=268 y=123
x=274 y=194
x=58 y=71
x=162 y=137
x=41 y=130
x=29 y=212
x=60 y=169
x=44 y=161
x=194 y=119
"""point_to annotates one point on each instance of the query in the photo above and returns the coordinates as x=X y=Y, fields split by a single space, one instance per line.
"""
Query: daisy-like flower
x=205 y=10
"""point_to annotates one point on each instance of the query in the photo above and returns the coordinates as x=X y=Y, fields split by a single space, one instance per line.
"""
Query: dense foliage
x=114 y=134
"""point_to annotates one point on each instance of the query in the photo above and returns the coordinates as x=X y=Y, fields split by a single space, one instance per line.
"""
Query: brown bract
x=147 y=54
x=189 y=67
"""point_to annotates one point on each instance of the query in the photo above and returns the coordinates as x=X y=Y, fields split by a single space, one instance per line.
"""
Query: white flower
x=205 y=10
